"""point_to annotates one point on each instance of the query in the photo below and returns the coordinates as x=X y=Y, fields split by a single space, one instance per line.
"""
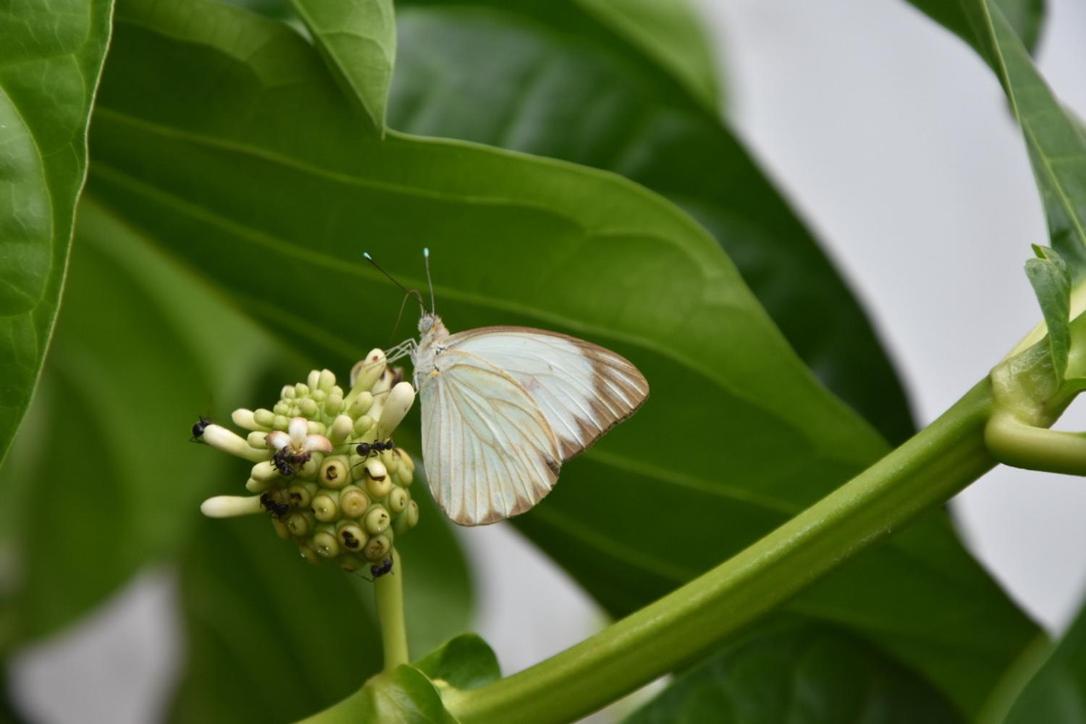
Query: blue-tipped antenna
x=429 y=281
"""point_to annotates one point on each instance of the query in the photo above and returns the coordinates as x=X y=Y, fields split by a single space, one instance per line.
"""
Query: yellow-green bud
x=299 y=496
x=398 y=500
x=244 y=418
x=326 y=544
x=352 y=537
x=324 y=507
x=327 y=380
x=366 y=371
x=281 y=408
x=308 y=407
x=297 y=524
x=378 y=484
x=361 y=404
x=301 y=390
x=412 y=514
x=280 y=529
x=287 y=393
x=341 y=429
x=258 y=440
x=334 y=473
x=264 y=418
x=363 y=424
x=281 y=422
x=377 y=520
x=377 y=548
x=313 y=379
x=319 y=395
x=309 y=554
x=353 y=501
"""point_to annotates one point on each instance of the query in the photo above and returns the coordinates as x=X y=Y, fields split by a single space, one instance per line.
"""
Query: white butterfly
x=504 y=407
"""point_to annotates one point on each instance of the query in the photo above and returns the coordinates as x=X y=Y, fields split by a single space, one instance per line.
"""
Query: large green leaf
x=1025 y=16
x=545 y=98
x=797 y=673
x=358 y=39
x=50 y=60
x=200 y=141
x=1057 y=691
x=102 y=479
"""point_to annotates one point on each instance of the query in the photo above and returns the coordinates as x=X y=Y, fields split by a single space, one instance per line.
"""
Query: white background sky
x=894 y=142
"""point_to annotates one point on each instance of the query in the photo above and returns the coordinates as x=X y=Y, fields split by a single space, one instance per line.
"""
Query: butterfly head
x=430 y=323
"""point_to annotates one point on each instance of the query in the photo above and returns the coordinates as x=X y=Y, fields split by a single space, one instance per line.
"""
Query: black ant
x=365 y=449
x=198 y=429
x=273 y=506
x=288 y=462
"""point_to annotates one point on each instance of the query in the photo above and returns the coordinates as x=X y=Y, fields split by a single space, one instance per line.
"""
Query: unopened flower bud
x=377 y=520
x=398 y=500
x=309 y=554
x=324 y=507
x=353 y=502
x=326 y=544
x=361 y=404
x=308 y=407
x=287 y=393
x=230 y=506
x=313 y=380
x=333 y=405
x=264 y=418
x=366 y=371
x=327 y=380
x=281 y=408
x=377 y=548
x=363 y=424
x=280 y=528
x=341 y=429
x=264 y=471
x=222 y=439
x=412 y=514
x=301 y=390
x=396 y=406
x=378 y=484
x=298 y=524
x=352 y=537
x=333 y=473
x=257 y=486
x=244 y=418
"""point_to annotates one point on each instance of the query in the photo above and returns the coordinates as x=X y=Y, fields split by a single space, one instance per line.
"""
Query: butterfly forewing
x=582 y=389
x=489 y=451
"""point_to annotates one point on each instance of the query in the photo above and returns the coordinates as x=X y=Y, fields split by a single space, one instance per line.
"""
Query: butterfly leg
x=405 y=348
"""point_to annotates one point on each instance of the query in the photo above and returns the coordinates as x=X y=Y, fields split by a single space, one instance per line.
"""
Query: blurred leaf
x=401 y=696
x=107 y=480
x=564 y=92
x=1057 y=691
x=465 y=662
x=1052 y=284
x=801 y=674
x=358 y=41
x=1026 y=17
x=672 y=33
x=50 y=59
x=272 y=638
x=201 y=140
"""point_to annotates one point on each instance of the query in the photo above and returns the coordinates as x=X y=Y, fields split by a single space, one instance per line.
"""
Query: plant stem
x=924 y=472
x=389 y=592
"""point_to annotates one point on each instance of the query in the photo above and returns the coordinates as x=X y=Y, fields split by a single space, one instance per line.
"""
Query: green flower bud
x=325 y=508
x=244 y=418
x=287 y=393
x=264 y=418
x=327 y=380
x=264 y=471
x=220 y=438
x=301 y=390
x=280 y=422
x=352 y=537
x=404 y=476
x=309 y=554
x=298 y=524
x=362 y=425
x=280 y=528
x=299 y=496
x=412 y=514
x=319 y=395
x=377 y=548
x=334 y=472
x=281 y=408
x=377 y=520
x=341 y=429
x=313 y=380
x=398 y=500
x=257 y=486
x=326 y=544
x=333 y=404
x=353 y=502
x=368 y=370
x=361 y=404
x=257 y=440
x=308 y=407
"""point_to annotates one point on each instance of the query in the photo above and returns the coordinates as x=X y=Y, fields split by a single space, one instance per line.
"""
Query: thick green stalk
x=389 y=592
x=924 y=472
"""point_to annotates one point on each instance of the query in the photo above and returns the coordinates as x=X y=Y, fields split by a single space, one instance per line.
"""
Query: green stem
x=389 y=592
x=924 y=472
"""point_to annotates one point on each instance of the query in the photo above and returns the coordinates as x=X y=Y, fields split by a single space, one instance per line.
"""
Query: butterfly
x=503 y=407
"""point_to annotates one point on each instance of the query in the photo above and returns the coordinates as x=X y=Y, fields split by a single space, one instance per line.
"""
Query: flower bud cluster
x=325 y=468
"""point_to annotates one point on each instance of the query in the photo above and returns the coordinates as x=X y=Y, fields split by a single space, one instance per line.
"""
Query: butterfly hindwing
x=490 y=452
x=582 y=389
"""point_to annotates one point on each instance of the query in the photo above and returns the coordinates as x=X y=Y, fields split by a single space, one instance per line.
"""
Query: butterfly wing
x=582 y=389
x=490 y=453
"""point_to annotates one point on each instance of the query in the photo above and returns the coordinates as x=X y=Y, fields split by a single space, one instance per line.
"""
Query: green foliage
x=358 y=39
x=794 y=672
x=1052 y=284
x=50 y=58
x=465 y=662
x=1025 y=17
x=1057 y=691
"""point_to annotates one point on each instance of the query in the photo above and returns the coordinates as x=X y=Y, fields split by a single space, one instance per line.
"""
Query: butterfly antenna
x=429 y=281
x=378 y=267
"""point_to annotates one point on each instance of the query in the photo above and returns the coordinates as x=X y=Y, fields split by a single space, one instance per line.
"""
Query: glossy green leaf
x=1026 y=17
x=50 y=59
x=670 y=32
x=401 y=696
x=798 y=673
x=103 y=475
x=465 y=662
x=535 y=101
x=1051 y=282
x=1057 y=691
x=198 y=142
x=358 y=40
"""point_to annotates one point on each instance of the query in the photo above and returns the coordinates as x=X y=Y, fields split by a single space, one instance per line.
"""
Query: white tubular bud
x=399 y=402
x=341 y=429
x=366 y=371
x=264 y=472
x=245 y=418
x=230 y=506
x=257 y=486
x=376 y=469
x=222 y=439
x=326 y=380
x=314 y=379
x=259 y=440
